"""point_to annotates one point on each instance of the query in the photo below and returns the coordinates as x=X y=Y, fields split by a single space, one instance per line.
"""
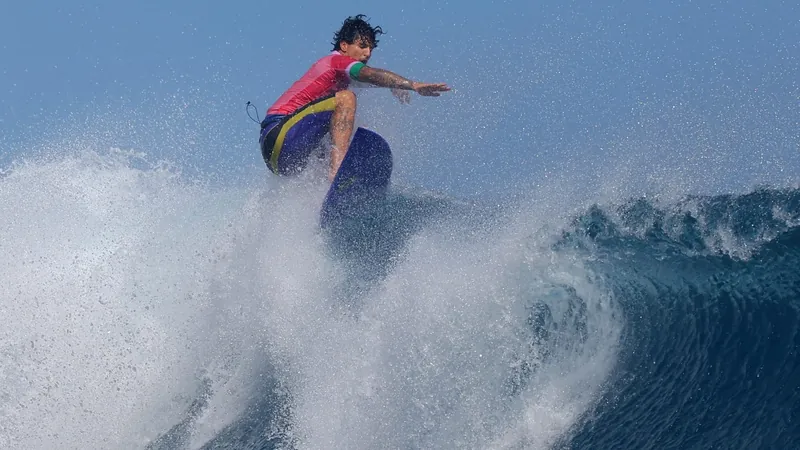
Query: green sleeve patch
x=355 y=69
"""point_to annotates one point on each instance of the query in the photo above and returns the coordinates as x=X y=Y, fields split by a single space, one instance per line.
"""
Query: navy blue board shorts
x=287 y=140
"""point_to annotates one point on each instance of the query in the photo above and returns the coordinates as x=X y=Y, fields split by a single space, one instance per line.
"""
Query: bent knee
x=346 y=98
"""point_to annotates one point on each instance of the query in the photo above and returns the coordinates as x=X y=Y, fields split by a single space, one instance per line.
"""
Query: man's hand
x=402 y=95
x=430 y=89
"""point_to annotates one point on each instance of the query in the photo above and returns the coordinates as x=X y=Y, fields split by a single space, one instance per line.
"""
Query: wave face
x=711 y=293
x=146 y=309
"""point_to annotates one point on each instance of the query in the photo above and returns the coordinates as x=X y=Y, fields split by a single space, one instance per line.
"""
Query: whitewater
x=146 y=307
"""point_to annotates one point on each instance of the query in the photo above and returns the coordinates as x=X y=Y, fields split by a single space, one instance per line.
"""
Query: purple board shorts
x=287 y=141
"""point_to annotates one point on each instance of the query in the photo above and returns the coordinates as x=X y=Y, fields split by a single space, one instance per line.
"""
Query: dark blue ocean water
x=709 y=355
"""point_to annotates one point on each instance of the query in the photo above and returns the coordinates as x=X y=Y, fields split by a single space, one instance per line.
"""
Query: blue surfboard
x=363 y=176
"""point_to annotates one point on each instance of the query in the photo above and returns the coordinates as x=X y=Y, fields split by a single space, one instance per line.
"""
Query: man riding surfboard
x=321 y=102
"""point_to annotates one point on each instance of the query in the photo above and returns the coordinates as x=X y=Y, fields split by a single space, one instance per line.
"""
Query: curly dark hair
x=354 y=28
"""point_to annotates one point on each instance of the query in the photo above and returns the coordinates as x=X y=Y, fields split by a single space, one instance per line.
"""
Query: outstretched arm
x=385 y=78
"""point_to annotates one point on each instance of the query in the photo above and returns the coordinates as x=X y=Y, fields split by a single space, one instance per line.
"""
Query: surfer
x=320 y=102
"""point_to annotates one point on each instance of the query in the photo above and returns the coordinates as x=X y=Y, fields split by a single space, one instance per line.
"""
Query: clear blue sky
x=538 y=84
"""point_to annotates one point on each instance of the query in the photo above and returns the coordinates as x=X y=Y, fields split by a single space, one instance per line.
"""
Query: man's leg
x=342 y=122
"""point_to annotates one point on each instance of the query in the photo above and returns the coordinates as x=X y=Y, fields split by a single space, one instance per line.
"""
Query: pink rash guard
x=330 y=74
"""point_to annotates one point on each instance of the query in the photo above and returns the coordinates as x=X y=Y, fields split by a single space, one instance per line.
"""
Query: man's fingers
x=431 y=89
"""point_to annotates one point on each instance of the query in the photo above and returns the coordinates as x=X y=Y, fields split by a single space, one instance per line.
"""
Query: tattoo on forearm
x=385 y=78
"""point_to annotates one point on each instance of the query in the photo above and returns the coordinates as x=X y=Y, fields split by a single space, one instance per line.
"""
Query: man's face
x=360 y=49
